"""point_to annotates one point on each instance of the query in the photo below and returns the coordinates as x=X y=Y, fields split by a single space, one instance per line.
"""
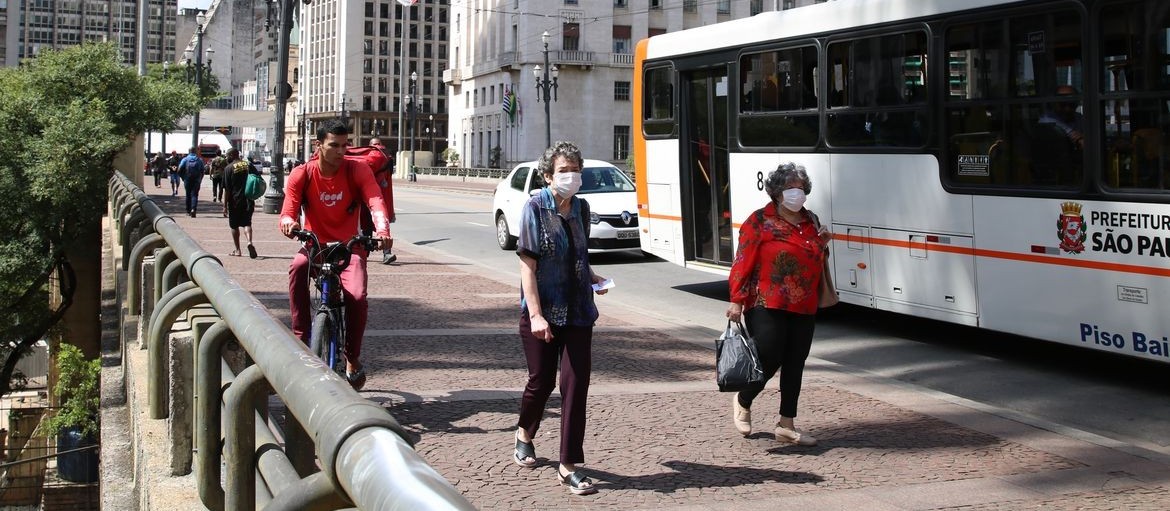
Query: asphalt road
x=1057 y=386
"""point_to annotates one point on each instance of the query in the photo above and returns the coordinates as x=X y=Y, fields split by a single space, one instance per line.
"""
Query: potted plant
x=76 y=422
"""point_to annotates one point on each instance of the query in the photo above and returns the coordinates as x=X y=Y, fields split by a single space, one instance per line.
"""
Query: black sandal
x=575 y=480
x=357 y=379
x=525 y=451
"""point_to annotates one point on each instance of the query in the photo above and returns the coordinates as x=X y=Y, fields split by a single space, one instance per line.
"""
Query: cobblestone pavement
x=443 y=357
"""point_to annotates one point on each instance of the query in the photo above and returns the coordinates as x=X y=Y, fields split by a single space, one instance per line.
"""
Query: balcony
x=452 y=76
x=509 y=61
x=572 y=58
x=622 y=60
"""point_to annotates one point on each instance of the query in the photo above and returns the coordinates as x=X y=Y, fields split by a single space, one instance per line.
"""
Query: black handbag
x=737 y=363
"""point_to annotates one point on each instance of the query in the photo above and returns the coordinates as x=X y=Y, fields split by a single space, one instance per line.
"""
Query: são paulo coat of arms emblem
x=1070 y=228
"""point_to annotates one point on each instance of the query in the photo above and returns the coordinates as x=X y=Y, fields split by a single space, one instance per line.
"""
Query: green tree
x=65 y=116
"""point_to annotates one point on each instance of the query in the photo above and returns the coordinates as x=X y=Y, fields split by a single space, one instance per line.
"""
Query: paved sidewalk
x=443 y=356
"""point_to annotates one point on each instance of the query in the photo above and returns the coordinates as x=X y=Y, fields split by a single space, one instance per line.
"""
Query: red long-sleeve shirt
x=778 y=265
x=333 y=202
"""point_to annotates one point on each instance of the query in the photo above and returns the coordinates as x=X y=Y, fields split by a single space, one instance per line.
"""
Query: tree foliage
x=65 y=116
x=78 y=388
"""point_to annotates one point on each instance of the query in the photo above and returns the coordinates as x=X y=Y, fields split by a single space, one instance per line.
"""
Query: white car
x=613 y=205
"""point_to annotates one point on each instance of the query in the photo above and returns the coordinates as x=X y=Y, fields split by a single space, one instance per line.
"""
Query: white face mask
x=793 y=199
x=566 y=184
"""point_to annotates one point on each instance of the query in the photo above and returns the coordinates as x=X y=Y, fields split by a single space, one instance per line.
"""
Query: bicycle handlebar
x=307 y=236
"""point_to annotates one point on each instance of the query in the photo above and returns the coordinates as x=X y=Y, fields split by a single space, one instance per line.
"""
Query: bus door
x=706 y=197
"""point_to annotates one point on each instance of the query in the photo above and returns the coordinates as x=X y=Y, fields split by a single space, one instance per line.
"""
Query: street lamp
x=545 y=85
x=431 y=134
x=196 y=74
x=412 y=105
x=166 y=68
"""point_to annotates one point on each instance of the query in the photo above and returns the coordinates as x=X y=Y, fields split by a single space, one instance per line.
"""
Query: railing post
x=134 y=275
x=240 y=438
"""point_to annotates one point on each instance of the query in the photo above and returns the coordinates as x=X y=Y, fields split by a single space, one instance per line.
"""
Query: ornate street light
x=195 y=73
x=545 y=85
x=412 y=106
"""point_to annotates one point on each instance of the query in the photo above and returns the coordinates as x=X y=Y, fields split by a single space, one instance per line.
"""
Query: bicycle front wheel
x=319 y=338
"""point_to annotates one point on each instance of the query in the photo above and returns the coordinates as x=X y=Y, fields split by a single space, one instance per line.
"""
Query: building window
x=620 y=4
x=621 y=39
x=621 y=142
x=621 y=91
x=756 y=7
x=690 y=5
x=369 y=9
x=657 y=4
x=571 y=37
x=723 y=7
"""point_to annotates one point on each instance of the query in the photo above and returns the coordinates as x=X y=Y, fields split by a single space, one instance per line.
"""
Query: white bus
x=994 y=163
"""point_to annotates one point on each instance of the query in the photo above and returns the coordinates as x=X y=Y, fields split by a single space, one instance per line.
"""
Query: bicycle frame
x=327 y=335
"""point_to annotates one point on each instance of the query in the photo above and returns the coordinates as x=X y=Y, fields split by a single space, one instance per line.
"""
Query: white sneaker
x=742 y=417
x=793 y=436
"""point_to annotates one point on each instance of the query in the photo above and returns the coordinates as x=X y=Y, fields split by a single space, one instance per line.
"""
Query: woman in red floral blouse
x=774 y=282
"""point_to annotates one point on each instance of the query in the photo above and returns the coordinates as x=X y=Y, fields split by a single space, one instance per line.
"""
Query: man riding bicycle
x=328 y=191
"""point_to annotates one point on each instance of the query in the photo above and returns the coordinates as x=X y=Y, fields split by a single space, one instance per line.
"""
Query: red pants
x=572 y=346
x=353 y=284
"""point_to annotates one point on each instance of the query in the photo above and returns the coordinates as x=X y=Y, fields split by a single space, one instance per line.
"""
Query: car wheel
x=503 y=237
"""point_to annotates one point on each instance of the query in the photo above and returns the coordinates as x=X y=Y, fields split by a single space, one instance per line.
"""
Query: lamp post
x=196 y=74
x=412 y=105
x=544 y=86
x=431 y=134
x=166 y=67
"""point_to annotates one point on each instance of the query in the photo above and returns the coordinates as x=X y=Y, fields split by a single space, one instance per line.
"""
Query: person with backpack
x=327 y=191
x=237 y=206
x=217 y=165
x=191 y=169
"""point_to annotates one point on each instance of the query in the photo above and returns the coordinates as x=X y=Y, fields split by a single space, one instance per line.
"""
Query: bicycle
x=327 y=335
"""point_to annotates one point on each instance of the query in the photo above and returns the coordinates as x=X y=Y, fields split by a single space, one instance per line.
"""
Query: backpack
x=254 y=187
x=217 y=166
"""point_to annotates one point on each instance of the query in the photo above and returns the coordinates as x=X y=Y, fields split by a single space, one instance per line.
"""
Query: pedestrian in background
x=383 y=176
x=173 y=166
x=557 y=311
x=191 y=169
x=774 y=283
x=237 y=207
x=217 y=165
x=159 y=168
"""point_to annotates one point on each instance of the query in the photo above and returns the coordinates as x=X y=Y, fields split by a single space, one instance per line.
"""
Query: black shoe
x=388 y=257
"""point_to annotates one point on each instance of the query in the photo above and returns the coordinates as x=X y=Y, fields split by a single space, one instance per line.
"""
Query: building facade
x=496 y=46
x=356 y=59
x=29 y=26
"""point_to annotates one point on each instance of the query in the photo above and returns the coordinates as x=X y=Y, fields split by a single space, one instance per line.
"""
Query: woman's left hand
x=597 y=279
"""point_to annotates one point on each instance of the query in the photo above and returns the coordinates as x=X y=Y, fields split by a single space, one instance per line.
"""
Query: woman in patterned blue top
x=557 y=310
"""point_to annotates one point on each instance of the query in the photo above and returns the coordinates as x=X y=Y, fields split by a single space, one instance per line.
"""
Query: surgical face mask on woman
x=792 y=199
x=566 y=184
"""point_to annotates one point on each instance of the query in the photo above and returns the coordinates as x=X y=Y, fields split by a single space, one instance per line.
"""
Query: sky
x=194 y=4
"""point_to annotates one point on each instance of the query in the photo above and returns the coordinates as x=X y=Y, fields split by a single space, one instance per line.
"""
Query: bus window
x=877 y=91
x=778 y=100
x=1030 y=132
x=658 y=101
x=1135 y=104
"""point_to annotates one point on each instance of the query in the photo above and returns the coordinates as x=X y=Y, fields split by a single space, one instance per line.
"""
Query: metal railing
x=365 y=454
x=464 y=172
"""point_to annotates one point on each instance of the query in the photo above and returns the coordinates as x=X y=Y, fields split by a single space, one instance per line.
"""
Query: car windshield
x=604 y=180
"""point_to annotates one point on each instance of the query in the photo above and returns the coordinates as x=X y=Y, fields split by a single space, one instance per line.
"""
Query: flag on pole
x=510 y=105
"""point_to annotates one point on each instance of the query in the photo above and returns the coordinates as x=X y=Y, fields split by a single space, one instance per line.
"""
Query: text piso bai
x=1137 y=342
